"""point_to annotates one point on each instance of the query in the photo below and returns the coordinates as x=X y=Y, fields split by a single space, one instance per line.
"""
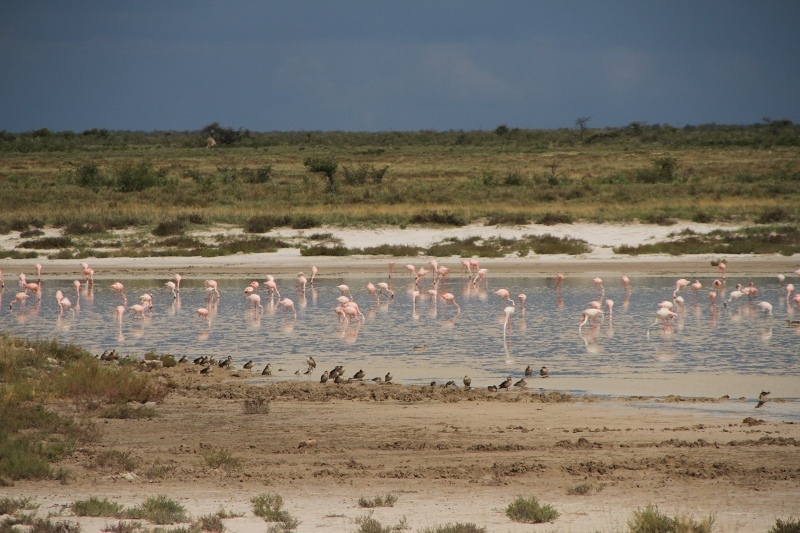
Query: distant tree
x=582 y=124
x=501 y=130
x=221 y=135
x=326 y=165
x=637 y=128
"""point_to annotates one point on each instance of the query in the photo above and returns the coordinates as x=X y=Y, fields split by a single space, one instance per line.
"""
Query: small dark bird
x=388 y=378
x=492 y=388
x=248 y=366
x=359 y=375
x=433 y=383
x=324 y=377
x=521 y=383
x=467 y=381
x=199 y=360
x=420 y=347
x=104 y=356
x=760 y=403
x=308 y=371
x=764 y=394
x=450 y=383
x=267 y=370
x=506 y=384
x=377 y=379
x=183 y=359
x=206 y=370
x=528 y=371
x=543 y=372
x=793 y=322
x=296 y=372
x=113 y=356
x=225 y=363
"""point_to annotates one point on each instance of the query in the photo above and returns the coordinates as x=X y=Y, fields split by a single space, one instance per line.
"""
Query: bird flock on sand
x=434 y=287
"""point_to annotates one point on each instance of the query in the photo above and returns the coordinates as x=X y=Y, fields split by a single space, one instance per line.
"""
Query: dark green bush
x=664 y=170
x=89 y=175
x=169 y=228
x=46 y=243
x=266 y=223
x=136 y=177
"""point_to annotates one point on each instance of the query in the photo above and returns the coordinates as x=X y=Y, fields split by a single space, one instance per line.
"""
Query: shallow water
x=710 y=350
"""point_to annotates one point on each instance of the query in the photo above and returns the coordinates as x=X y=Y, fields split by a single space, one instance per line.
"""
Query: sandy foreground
x=448 y=455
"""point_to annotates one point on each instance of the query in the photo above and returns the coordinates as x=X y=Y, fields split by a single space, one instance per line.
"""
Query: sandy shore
x=449 y=455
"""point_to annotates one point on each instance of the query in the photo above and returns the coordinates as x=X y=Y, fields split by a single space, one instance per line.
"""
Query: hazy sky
x=377 y=65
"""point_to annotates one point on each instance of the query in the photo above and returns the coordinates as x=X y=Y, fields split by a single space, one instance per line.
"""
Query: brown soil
x=449 y=454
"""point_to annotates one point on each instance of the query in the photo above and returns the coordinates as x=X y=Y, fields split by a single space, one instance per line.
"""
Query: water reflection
x=473 y=333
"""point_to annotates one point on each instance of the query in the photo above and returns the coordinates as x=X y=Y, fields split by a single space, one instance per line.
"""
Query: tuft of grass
x=124 y=527
x=211 y=523
x=222 y=459
x=96 y=507
x=378 y=501
x=458 y=527
x=46 y=243
x=790 y=525
x=270 y=508
x=116 y=461
x=651 y=520
x=256 y=406
x=529 y=510
x=12 y=505
x=45 y=525
x=126 y=412
x=580 y=490
x=159 y=510
x=551 y=219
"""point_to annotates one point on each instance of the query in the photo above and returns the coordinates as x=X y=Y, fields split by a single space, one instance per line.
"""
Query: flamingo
x=559 y=279
x=766 y=307
x=212 y=284
x=255 y=301
x=663 y=314
x=373 y=291
x=508 y=311
x=522 y=298
x=138 y=310
x=504 y=295
x=789 y=291
x=345 y=289
x=610 y=306
x=286 y=303
x=681 y=283
x=33 y=287
x=177 y=279
x=475 y=264
x=272 y=287
x=20 y=298
x=590 y=313
x=696 y=286
x=722 y=266
x=412 y=269
x=599 y=284
x=466 y=266
x=172 y=287
x=88 y=273
x=479 y=275
x=314 y=271
x=202 y=312
x=732 y=296
x=39 y=272
x=2 y=282
x=65 y=303
x=77 y=284
x=147 y=300
x=391 y=268
x=351 y=312
x=352 y=305
x=385 y=287
x=118 y=313
x=626 y=282
x=448 y=297
x=301 y=281
x=712 y=295
x=120 y=288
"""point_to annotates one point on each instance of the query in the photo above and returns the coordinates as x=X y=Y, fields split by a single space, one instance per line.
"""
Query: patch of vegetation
x=551 y=219
x=458 y=527
x=84 y=228
x=509 y=219
x=159 y=510
x=256 y=406
x=222 y=459
x=444 y=218
x=266 y=223
x=45 y=525
x=129 y=176
x=529 y=510
x=127 y=412
x=651 y=520
x=12 y=505
x=14 y=254
x=378 y=501
x=97 y=507
x=270 y=508
x=368 y=524
x=169 y=228
x=790 y=525
x=31 y=233
x=116 y=461
x=46 y=243
x=580 y=490
x=124 y=527
x=327 y=165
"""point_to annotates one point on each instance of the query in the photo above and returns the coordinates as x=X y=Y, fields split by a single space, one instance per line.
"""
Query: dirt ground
x=448 y=454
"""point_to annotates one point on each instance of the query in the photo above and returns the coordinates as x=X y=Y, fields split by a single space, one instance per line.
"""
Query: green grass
x=368 y=524
x=270 y=508
x=222 y=459
x=378 y=501
x=651 y=520
x=529 y=510
x=12 y=505
x=159 y=510
x=124 y=527
x=458 y=527
x=97 y=507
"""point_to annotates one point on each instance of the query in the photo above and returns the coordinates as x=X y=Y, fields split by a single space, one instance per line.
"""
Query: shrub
x=664 y=170
x=31 y=233
x=325 y=165
x=458 y=527
x=127 y=412
x=222 y=135
x=168 y=228
x=136 y=177
x=651 y=520
x=116 y=461
x=791 y=525
x=265 y=223
x=222 y=459
x=551 y=219
x=124 y=527
x=12 y=505
x=529 y=510
x=257 y=175
x=83 y=228
x=378 y=501
x=305 y=222
x=446 y=218
x=270 y=508
x=96 y=507
x=46 y=243
x=88 y=175
x=159 y=510
x=44 y=525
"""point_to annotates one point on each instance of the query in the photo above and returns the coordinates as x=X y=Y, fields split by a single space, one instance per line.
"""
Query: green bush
x=378 y=501
x=136 y=177
x=651 y=520
x=458 y=527
x=89 y=175
x=664 y=170
x=529 y=510
x=169 y=228
x=266 y=223
x=159 y=510
x=96 y=507
x=325 y=165
x=46 y=243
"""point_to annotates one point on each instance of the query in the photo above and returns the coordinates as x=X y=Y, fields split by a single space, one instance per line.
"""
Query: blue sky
x=378 y=65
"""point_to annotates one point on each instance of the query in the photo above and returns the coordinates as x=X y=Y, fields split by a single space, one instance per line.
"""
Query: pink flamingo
x=789 y=291
x=88 y=273
x=373 y=291
x=350 y=313
x=681 y=283
x=590 y=314
x=610 y=306
x=508 y=312
x=212 y=284
x=272 y=287
x=63 y=302
x=34 y=287
x=39 y=272
x=662 y=315
x=766 y=307
x=77 y=284
x=172 y=287
x=301 y=282
x=137 y=310
x=412 y=269
x=118 y=313
x=314 y=271
x=626 y=282
x=345 y=289
x=522 y=298
x=448 y=297
x=717 y=284
x=249 y=290
x=599 y=284
x=712 y=295
x=466 y=266
x=2 y=282
x=479 y=275
x=352 y=305
x=286 y=303
x=19 y=297
x=734 y=295
x=202 y=312
x=475 y=264
x=339 y=310
x=504 y=295
x=120 y=288
x=391 y=268
x=696 y=286
x=722 y=268
x=177 y=279
x=254 y=300
x=559 y=279
x=385 y=287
